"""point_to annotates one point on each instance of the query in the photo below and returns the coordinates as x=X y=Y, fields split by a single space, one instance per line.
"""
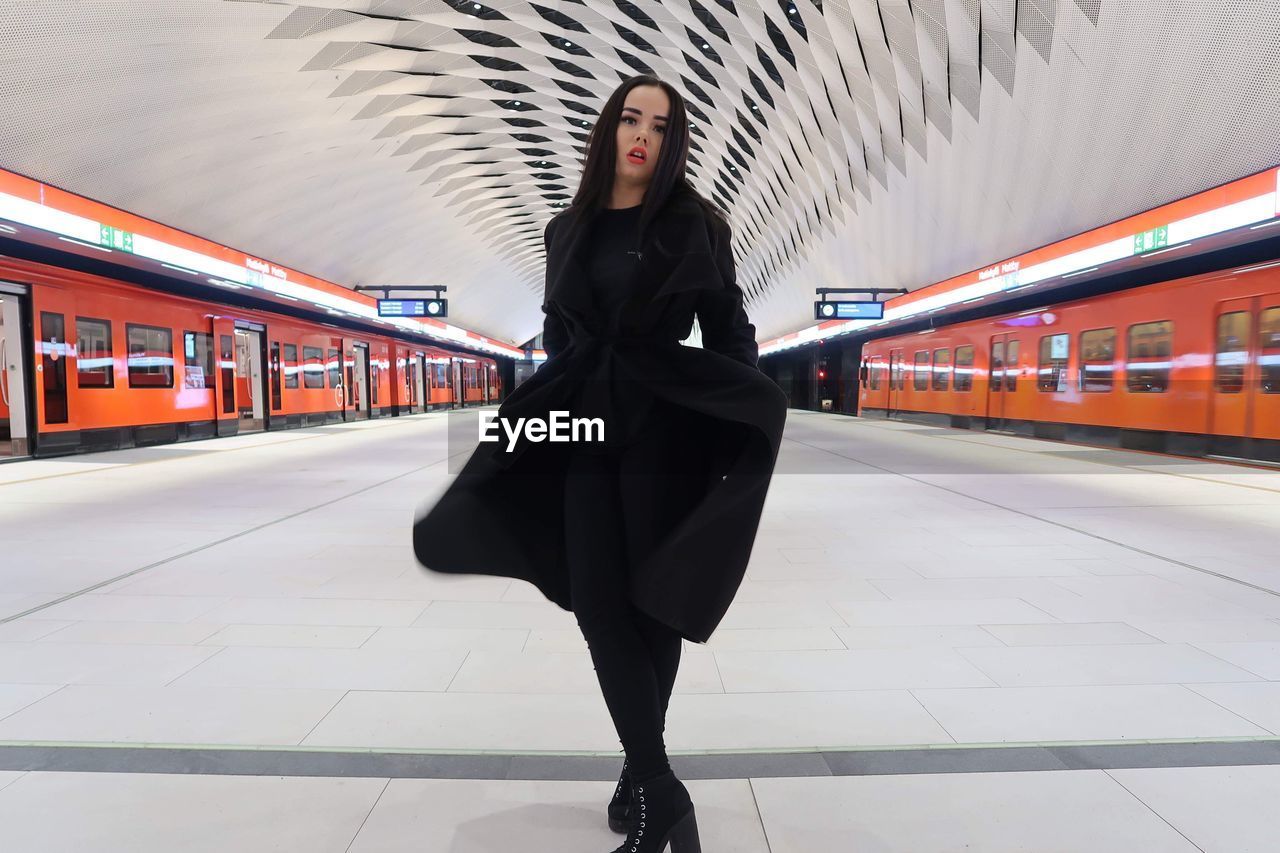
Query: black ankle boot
x=662 y=814
x=620 y=805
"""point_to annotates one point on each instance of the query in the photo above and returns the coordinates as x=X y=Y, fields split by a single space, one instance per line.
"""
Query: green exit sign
x=1149 y=240
x=114 y=238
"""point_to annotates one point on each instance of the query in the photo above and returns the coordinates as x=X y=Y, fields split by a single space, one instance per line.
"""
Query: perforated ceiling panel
x=886 y=143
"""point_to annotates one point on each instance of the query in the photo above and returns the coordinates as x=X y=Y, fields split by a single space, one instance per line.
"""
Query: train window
x=1052 y=373
x=150 y=359
x=313 y=367
x=335 y=369
x=197 y=369
x=375 y=371
x=95 y=367
x=920 y=372
x=1011 y=366
x=1232 y=352
x=277 y=376
x=53 y=367
x=291 y=365
x=996 y=366
x=228 y=374
x=873 y=371
x=941 y=369
x=1269 y=349
x=1150 y=357
x=964 y=368
x=1097 y=359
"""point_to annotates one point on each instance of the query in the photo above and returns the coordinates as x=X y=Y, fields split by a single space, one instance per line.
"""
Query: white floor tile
x=915 y=636
x=862 y=669
x=1054 y=714
x=450 y=639
x=1040 y=666
x=15 y=697
x=192 y=715
x=133 y=633
x=1258 y=702
x=41 y=662
x=481 y=816
x=292 y=636
x=24 y=630
x=326 y=669
x=994 y=611
x=1220 y=809
x=271 y=611
x=141 y=813
x=1063 y=812
x=1261 y=659
x=1071 y=634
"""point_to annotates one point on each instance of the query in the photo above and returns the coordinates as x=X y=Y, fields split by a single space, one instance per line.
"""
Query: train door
x=251 y=388
x=419 y=382
x=897 y=380
x=1266 y=422
x=15 y=435
x=459 y=399
x=360 y=381
x=1002 y=378
x=1232 y=376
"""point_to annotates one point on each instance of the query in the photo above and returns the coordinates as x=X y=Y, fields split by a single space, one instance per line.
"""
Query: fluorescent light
x=180 y=269
x=86 y=245
x=1081 y=272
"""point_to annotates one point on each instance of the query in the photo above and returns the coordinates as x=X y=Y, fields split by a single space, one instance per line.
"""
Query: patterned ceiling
x=890 y=143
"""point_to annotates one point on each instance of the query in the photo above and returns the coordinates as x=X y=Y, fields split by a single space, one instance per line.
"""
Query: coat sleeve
x=554 y=334
x=721 y=315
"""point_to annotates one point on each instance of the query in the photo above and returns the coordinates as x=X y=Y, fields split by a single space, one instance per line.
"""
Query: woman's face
x=642 y=125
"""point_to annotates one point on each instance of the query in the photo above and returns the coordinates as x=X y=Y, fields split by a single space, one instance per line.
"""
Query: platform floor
x=946 y=641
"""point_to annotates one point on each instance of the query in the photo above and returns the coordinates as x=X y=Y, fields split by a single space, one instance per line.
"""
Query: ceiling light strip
x=1019 y=272
x=27 y=202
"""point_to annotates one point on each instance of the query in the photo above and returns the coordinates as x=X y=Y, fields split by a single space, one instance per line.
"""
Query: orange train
x=1190 y=366
x=116 y=365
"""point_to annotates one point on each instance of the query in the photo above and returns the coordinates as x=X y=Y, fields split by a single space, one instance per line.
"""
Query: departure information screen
x=849 y=310
x=402 y=307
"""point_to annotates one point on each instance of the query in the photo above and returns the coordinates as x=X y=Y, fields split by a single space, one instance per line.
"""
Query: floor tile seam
x=764 y=827
x=218 y=651
x=369 y=814
x=1233 y=664
x=32 y=703
x=932 y=716
x=302 y=741
x=1062 y=525
x=1192 y=688
x=205 y=547
x=1110 y=775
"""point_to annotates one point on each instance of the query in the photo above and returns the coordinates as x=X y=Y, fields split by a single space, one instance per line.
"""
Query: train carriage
x=1190 y=366
x=108 y=364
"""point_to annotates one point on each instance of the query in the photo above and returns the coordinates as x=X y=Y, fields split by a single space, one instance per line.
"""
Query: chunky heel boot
x=620 y=805
x=662 y=814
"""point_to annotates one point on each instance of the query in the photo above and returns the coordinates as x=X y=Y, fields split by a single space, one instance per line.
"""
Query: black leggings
x=635 y=655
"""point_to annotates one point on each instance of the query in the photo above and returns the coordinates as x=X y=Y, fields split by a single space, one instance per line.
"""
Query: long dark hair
x=670 y=178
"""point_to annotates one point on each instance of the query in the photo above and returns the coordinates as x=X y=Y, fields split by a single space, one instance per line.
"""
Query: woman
x=644 y=536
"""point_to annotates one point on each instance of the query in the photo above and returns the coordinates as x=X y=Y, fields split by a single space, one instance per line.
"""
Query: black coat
x=504 y=512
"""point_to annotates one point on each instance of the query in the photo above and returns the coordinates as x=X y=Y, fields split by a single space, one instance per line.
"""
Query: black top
x=613 y=260
x=612 y=266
